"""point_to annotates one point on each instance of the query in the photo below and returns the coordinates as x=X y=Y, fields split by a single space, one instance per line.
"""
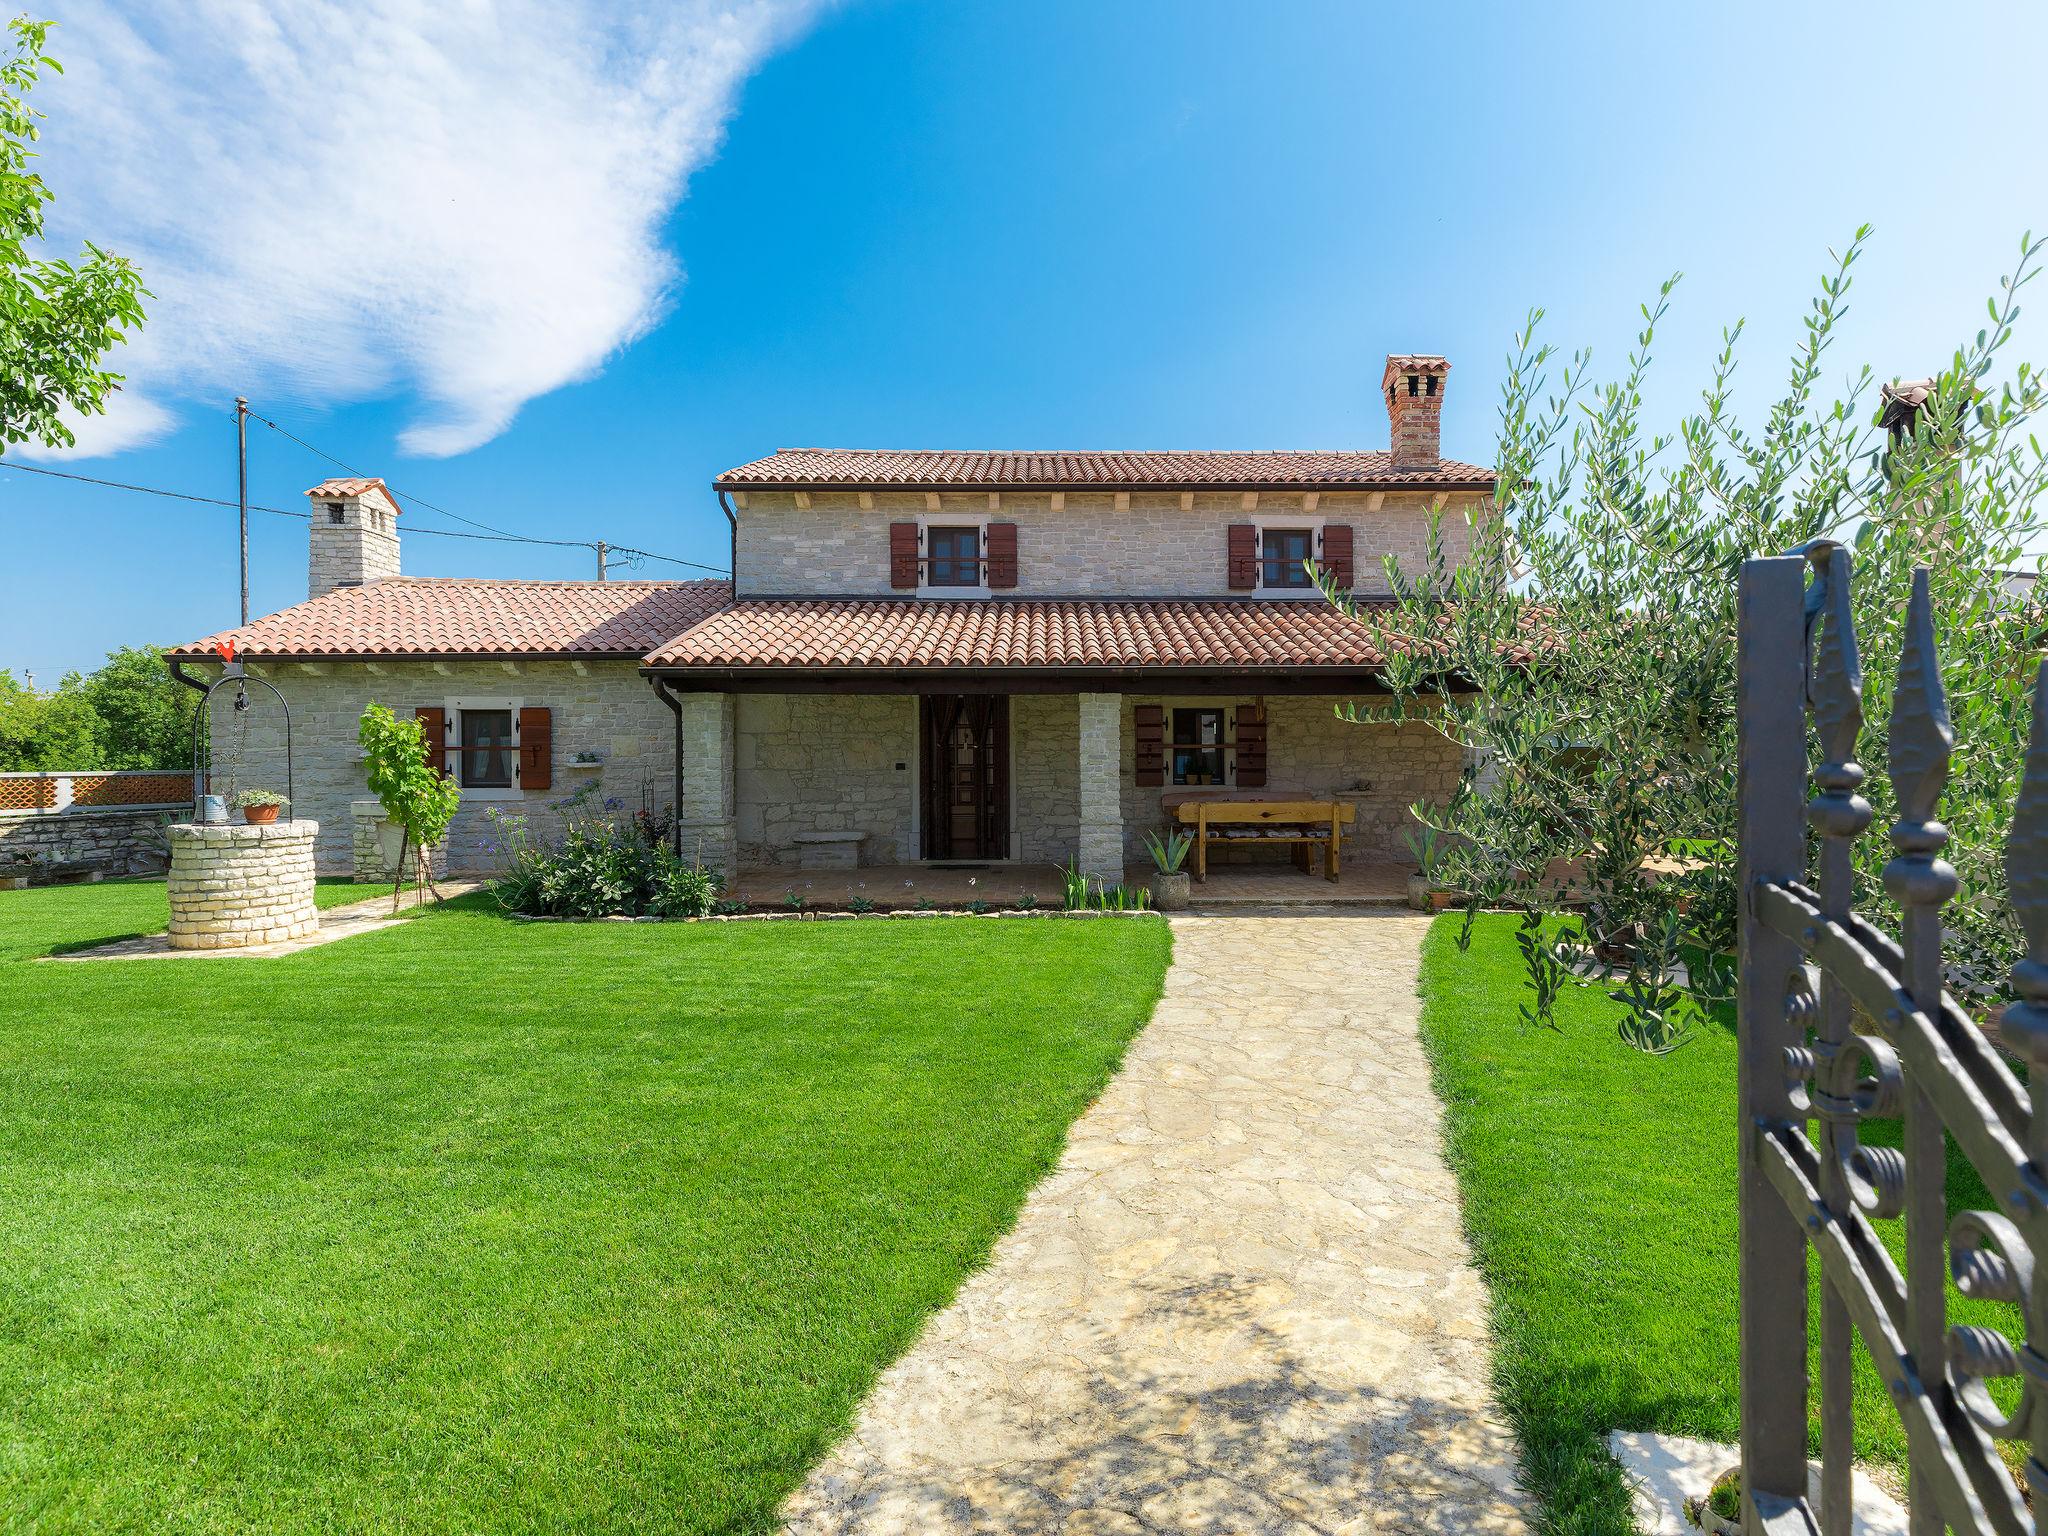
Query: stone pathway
x=1241 y=1305
x=365 y=916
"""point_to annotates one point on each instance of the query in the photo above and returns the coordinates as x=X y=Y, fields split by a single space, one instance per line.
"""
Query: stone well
x=234 y=885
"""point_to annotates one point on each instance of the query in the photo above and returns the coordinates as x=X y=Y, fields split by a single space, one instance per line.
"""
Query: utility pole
x=603 y=549
x=242 y=495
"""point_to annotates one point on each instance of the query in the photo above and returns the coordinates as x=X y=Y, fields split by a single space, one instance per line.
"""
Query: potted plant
x=1719 y=1513
x=260 y=805
x=1170 y=884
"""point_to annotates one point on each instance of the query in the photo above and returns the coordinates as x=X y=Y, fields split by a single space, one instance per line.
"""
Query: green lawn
x=469 y=1225
x=1600 y=1199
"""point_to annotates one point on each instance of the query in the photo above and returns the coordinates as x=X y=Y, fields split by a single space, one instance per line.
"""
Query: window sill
x=472 y=792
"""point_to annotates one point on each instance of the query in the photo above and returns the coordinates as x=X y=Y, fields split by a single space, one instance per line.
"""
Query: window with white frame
x=483 y=747
x=1286 y=545
x=953 y=556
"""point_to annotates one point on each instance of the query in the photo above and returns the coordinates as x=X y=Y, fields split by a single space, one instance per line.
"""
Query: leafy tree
x=145 y=714
x=46 y=732
x=130 y=713
x=420 y=799
x=57 y=318
x=1584 y=652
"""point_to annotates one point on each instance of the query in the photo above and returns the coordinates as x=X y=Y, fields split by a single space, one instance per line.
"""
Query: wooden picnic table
x=1254 y=817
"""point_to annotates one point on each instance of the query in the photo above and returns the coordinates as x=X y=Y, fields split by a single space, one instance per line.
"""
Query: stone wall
x=824 y=763
x=123 y=840
x=234 y=885
x=1380 y=767
x=1153 y=548
x=1044 y=728
x=606 y=708
x=829 y=763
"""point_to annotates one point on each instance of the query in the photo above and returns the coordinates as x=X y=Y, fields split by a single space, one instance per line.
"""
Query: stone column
x=705 y=808
x=1100 y=781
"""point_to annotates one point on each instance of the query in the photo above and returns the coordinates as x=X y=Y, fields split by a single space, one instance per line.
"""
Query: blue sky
x=947 y=225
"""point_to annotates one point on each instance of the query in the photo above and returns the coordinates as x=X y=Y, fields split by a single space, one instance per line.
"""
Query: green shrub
x=680 y=889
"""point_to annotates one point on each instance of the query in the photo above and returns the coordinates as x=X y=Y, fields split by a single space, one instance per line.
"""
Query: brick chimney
x=1414 y=388
x=355 y=535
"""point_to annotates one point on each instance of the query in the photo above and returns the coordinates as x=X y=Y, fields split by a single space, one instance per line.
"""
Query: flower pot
x=1171 y=893
x=1418 y=892
x=257 y=815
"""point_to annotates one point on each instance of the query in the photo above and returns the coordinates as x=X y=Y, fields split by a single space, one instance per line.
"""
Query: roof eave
x=395 y=656
x=1383 y=483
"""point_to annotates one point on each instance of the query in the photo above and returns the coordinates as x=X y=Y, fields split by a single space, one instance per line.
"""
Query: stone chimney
x=1414 y=388
x=355 y=535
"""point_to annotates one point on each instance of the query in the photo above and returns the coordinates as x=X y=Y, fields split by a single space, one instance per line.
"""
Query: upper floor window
x=953 y=557
x=1283 y=556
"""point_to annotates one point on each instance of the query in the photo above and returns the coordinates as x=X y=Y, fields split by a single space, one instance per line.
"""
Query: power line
x=430 y=533
x=420 y=501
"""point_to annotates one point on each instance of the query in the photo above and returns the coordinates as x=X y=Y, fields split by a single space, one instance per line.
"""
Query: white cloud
x=459 y=200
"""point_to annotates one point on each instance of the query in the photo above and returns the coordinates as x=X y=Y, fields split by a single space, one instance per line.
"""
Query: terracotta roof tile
x=328 y=490
x=795 y=468
x=857 y=633
x=416 y=616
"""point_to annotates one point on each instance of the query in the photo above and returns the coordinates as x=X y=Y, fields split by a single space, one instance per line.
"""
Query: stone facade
x=1379 y=767
x=791 y=766
x=234 y=885
x=605 y=708
x=1044 y=731
x=811 y=763
x=122 y=840
x=1154 y=547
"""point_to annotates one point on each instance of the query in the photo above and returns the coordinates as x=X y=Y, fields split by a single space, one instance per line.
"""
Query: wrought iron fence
x=1840 y=1024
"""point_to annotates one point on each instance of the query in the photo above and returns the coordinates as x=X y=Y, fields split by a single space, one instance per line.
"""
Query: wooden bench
x=1301 y=824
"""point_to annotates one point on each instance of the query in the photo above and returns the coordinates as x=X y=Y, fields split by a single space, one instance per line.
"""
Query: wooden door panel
x=965 y=752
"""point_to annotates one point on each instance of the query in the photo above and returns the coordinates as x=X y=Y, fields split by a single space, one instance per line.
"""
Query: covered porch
x=947 y=793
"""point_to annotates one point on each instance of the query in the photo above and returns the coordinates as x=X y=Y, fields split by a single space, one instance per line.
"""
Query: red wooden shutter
x=1150 y=720
x=1251 y=747
x=1002 y=556
x=903 y=555
x=1244 y=557
x=434 y=726
x=536 y=749
x=1337 y=554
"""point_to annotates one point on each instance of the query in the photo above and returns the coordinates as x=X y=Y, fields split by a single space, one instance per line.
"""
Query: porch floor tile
x=1284 y=885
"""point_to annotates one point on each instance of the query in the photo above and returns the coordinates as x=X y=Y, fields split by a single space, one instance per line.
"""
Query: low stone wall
x=377 y=841
x=235 y=885
x=121 y=840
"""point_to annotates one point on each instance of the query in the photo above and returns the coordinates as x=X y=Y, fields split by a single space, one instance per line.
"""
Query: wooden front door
x=966 y=765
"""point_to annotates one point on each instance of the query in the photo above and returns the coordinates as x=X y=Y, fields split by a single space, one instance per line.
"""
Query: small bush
x=859 y=905
x=1027 y=902
x=605 y=865
x=682 y=890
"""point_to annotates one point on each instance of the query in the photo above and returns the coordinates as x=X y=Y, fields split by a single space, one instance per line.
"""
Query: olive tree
x=1584 y=652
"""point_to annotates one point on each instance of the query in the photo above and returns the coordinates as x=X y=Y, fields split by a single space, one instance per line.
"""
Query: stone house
x=922 y=656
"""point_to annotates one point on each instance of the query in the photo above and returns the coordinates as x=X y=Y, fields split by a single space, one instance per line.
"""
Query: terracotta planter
x=1171 y=893
x=257 y=815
